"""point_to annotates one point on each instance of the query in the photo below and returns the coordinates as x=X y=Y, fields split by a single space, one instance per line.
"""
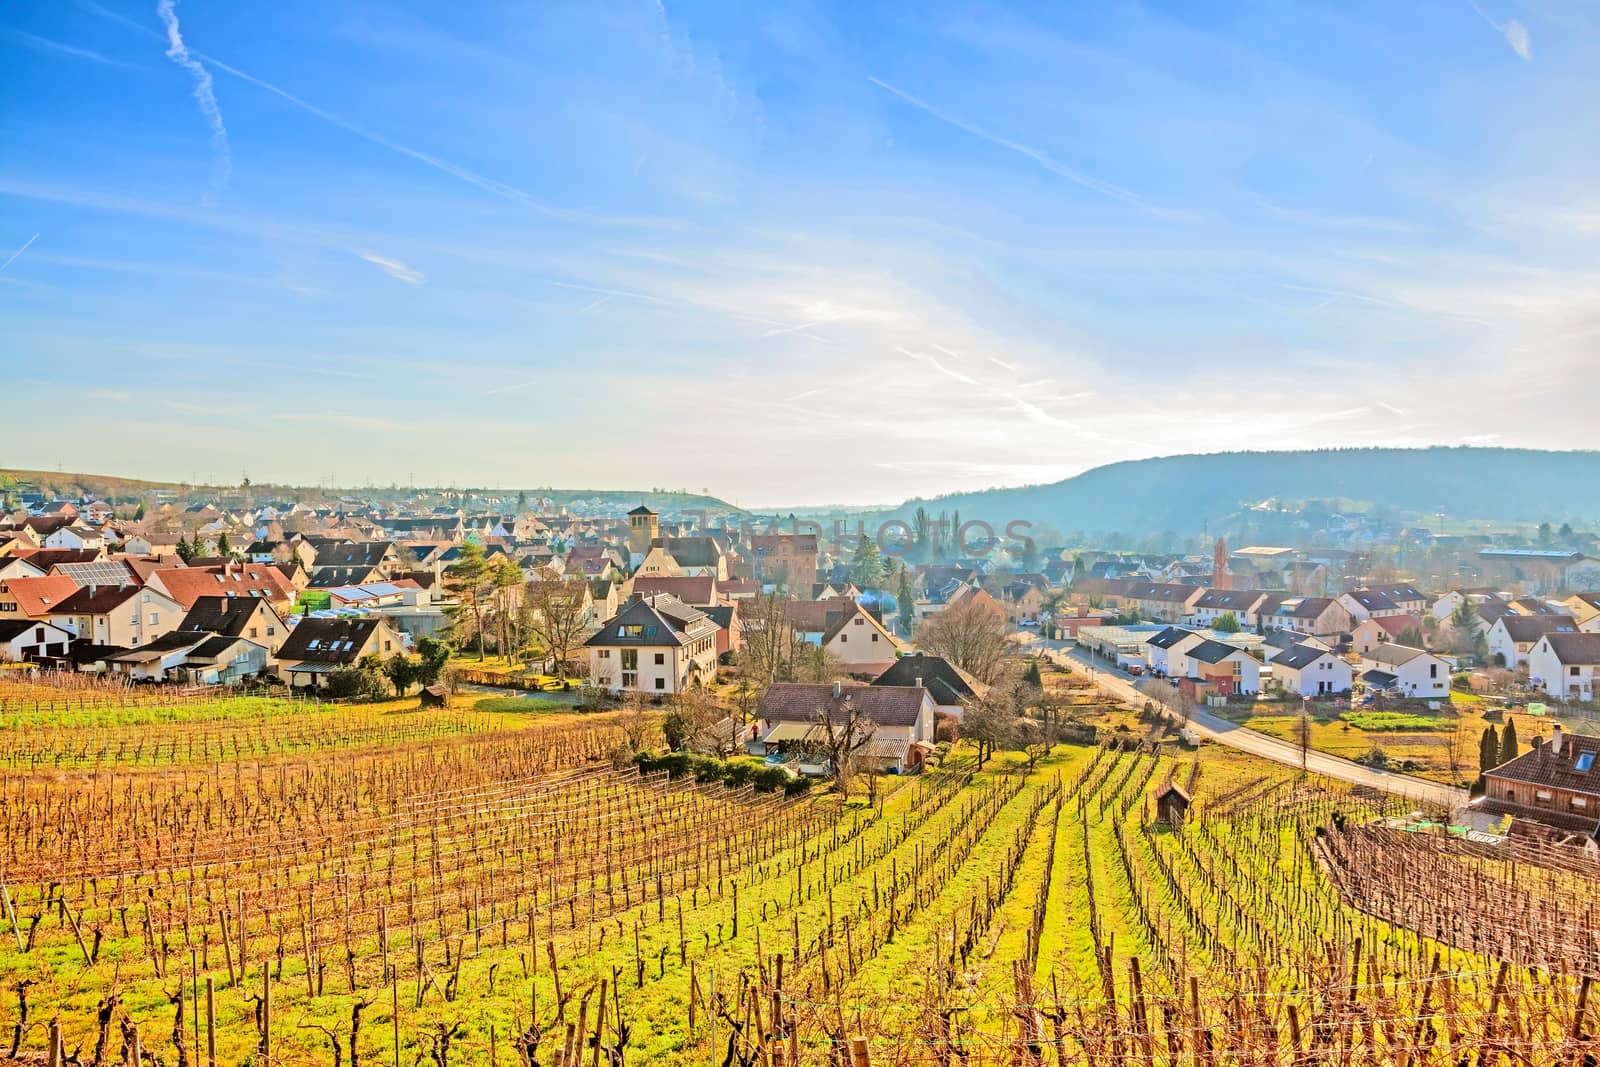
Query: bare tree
x=991 y=724
x=844 y=730
x=557 y=616
x=1035 y=738
x=972 y=634
x=1302 y=736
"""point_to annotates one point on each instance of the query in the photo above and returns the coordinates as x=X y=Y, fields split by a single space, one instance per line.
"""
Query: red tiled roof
x=886 y=705
x=37 y=597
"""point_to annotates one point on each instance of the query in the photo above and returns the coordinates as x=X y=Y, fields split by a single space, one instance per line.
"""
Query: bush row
x=734 y=773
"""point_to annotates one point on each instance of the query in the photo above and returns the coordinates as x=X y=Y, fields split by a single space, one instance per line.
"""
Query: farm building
x=1172 y=805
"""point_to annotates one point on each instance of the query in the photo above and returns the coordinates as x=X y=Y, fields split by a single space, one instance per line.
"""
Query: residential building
x=1512 y=637
x=789 y=719
x=1319 y=616
x=121 y=615
x=1164 y=653
x=1380 y=629
x=250 y=618
x=254 y=580
x=1214 y=603
x=1555 y=782
x=317 y=648
x=1566 y=665
x=1226 y=669
x=22 y=640
x=860 y=643
x=1417 y=672
x=1311 y=671
x=951 y=688
x=655 y=644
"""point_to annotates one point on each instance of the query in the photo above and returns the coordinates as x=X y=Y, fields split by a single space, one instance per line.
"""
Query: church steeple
x=1220 y=578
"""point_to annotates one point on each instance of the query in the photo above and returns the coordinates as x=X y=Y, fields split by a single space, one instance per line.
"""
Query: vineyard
x=259 y=881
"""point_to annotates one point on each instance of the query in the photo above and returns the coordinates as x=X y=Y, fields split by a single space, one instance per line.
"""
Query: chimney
x=836 y=689
x=1556 y=740
x=918 y=679
x=92 y=588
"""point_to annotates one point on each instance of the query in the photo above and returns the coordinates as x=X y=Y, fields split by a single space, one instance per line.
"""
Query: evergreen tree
x=1488 y=751
x=224 y=548
x=866 y=570
x=1508 y=741
x=1227 y=623
x=138 y=516
x=906 y=596
x=185 y=549
x=468 y=578
x=1031 y=676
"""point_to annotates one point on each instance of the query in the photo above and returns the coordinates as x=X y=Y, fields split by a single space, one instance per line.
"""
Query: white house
x=1566 y=665
x=1416 y=672
x=655 y=644
x=1364 y=604
x=1163 y=653
x=28 y=639
x=1213 y=604
x=1311 y=671
x=860 y=642
x=1512 y=637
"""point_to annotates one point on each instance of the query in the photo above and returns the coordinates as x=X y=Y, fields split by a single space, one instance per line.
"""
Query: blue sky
x=788 y=252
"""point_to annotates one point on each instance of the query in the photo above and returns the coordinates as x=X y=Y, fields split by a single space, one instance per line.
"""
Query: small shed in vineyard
x=1172 y=805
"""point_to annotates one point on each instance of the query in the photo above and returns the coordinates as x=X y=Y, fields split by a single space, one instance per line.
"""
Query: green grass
x=1393 y=720
x=529 y=705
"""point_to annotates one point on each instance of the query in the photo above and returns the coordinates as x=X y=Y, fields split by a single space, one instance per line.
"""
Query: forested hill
x=1185 y=493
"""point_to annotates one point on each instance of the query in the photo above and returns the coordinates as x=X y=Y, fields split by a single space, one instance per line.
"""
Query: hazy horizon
x=791 y=254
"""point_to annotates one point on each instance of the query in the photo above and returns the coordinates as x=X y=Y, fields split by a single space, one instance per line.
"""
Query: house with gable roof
x=654 y=644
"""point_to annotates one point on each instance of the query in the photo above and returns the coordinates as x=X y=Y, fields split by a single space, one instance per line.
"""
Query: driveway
x=1121 y=685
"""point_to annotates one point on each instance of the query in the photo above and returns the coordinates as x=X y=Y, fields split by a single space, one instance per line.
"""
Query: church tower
x=1220 y=578
x=643 y=530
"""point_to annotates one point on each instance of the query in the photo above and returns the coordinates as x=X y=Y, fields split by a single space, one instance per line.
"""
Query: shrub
x=768 y=779
x=946 y=727
x=350 y=683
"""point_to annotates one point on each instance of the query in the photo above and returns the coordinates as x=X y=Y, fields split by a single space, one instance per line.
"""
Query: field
x=1441 y=745
x=294 y=883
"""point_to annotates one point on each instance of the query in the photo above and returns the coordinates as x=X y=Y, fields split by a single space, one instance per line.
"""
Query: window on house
x=874 y=637
x=1585 y=762
x=1543 y=796
x=1580 y=803
x=155 y=618
x=843 y=638
x=661 y=683
x=661 y=657
x=1573 y=671
x=605 y=653
x=1433 y=670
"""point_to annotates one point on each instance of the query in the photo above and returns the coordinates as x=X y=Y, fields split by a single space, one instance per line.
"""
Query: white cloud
x=1039 y=156
x=45 y=44
x=204 y=94
x=1515 y=33
x=393 y=267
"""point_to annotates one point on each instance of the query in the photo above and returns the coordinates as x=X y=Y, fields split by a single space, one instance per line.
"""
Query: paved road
x=1121 y=686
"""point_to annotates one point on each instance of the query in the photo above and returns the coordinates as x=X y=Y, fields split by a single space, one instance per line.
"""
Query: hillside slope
x=1184 y=493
